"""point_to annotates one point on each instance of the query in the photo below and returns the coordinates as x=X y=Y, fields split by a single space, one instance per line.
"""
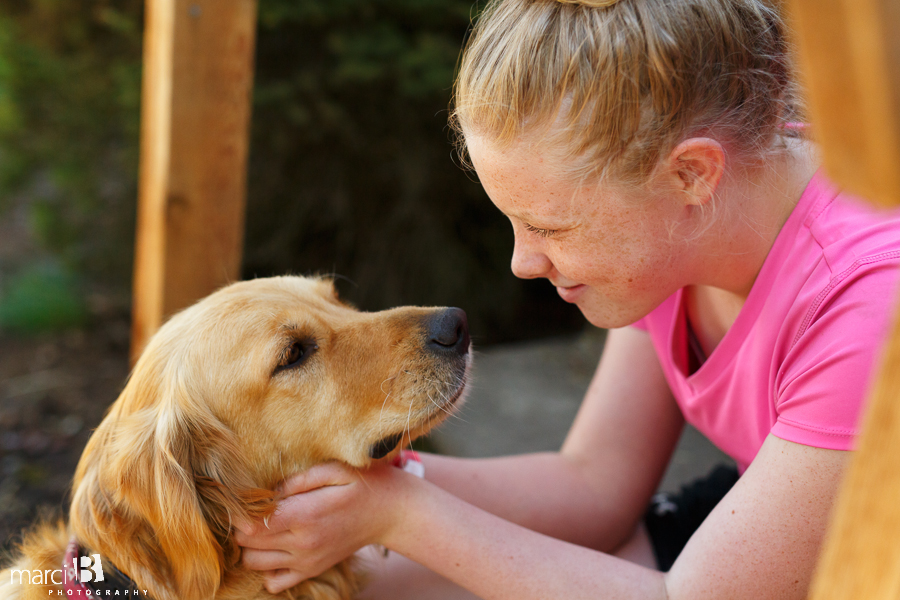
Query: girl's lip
x=571 y=294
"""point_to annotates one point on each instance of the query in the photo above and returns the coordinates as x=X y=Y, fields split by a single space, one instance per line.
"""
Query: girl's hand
x=326 y=514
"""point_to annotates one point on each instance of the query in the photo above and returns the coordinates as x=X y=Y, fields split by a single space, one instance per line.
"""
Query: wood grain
x=198 y=76
x=849 y=55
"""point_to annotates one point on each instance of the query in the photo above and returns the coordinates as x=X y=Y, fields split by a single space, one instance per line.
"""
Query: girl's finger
x=265 y=541
x=317 y=477
x=266 y=560
x=243 y=526
x=278 y=581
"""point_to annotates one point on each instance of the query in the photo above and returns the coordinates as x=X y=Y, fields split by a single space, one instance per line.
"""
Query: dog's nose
x=449 y=331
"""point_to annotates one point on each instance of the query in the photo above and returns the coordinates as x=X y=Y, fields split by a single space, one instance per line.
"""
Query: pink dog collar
x=409 y=461
x=97 y=584
x=71 y=584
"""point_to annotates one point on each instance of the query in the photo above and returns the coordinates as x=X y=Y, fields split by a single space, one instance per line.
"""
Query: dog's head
x=258 y=381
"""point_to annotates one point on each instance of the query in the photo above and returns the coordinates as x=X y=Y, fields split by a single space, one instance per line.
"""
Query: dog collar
x=101 y=584
x=409 y=461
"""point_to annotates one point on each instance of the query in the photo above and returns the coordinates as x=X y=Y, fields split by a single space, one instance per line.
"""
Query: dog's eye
x=296 y=354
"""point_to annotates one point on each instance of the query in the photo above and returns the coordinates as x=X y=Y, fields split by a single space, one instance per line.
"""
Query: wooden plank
x=198 y=76
x=849 y=56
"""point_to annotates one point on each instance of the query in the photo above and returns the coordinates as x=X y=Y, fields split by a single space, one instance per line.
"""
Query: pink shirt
x=797 y=361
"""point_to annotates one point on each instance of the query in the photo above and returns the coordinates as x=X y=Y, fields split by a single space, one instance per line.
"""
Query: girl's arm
x=761 y=541
x=595 y=490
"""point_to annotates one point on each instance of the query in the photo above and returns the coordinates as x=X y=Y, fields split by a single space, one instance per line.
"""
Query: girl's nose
x=528 y=261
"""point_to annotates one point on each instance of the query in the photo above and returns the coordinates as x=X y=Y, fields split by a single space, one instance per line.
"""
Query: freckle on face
x=618 y=252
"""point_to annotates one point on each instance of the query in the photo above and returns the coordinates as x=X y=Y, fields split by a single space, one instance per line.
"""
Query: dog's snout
x=449 y=331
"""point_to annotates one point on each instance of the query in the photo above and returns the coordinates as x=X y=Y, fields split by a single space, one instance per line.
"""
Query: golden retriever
x=260 y=380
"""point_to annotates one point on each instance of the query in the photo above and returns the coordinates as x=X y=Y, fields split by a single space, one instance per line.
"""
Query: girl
x=643 y=152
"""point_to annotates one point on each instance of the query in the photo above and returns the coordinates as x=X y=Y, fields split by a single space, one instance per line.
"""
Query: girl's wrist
x=408 y=503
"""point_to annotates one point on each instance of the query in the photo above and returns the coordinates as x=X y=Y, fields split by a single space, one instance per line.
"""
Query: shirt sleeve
x=825 y=378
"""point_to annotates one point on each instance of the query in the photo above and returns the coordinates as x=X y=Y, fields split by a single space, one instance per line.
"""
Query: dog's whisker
x=381 y=414
x=387 y=394
x=391 y=378
x=281 y=465
x=368 y=485
x=445 y=395
x=408 y=417
x=454 y=414
x=438 y=405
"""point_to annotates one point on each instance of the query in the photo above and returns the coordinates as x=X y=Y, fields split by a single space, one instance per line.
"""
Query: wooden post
x=850 y=67
x=850 y=61
x=197 y=83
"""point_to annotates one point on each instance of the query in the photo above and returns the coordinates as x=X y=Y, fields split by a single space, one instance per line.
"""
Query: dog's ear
x=223 y=486
x=159 y=486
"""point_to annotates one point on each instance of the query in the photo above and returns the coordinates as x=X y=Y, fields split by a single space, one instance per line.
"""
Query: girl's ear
x=695 y=167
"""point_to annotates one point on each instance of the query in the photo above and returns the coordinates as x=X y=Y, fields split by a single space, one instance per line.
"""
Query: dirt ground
x=53 y=391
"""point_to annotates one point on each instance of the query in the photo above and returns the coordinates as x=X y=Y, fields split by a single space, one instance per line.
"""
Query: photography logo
x=91 y=570
x=73 y=581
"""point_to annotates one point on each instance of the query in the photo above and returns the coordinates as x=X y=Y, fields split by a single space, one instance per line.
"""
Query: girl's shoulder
x=848 y=229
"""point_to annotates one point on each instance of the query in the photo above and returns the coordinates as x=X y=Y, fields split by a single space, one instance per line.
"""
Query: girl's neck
x=755 y=205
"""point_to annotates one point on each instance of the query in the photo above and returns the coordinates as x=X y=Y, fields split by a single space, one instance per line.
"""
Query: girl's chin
x=606 y=316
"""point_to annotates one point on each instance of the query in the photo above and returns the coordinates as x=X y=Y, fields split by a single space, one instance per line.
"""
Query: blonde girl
x=645 y=155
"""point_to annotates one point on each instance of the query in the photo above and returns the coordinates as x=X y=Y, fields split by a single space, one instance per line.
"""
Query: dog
x=260 y=380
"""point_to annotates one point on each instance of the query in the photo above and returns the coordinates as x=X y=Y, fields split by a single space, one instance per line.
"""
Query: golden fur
x=209 y=423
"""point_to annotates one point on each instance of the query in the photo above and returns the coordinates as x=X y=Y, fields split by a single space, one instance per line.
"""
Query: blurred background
x=352 y=171
x=352 y=168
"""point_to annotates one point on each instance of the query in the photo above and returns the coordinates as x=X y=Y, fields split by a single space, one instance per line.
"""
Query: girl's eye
x=296 y=354
x=541 y=232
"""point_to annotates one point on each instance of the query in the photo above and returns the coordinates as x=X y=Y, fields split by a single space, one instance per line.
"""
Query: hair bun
x=591 y=3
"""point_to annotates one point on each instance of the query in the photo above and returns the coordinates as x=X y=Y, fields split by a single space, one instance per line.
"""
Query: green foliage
x=69 y=117
x=41 y=298
x=351 y=166
x=9 y=117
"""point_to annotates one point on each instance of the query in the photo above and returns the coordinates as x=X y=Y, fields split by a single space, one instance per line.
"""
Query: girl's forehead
x=527 y=183
x=514 y=167
x=537 y=157
x=518 y=163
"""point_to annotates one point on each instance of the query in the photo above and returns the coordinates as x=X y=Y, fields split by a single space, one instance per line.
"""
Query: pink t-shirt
x=797 y=361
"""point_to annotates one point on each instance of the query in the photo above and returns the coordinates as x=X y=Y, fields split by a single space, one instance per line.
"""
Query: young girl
x=643 y=152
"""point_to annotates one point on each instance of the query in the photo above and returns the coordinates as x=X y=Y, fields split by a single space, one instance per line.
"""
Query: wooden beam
x=850 y=67
x=197 y=83
x=849 y=53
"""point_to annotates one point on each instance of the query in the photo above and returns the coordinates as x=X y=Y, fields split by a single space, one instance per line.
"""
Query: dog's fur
x=211 y=421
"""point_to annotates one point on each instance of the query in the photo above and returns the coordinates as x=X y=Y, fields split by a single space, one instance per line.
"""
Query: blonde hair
x=617 y=84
